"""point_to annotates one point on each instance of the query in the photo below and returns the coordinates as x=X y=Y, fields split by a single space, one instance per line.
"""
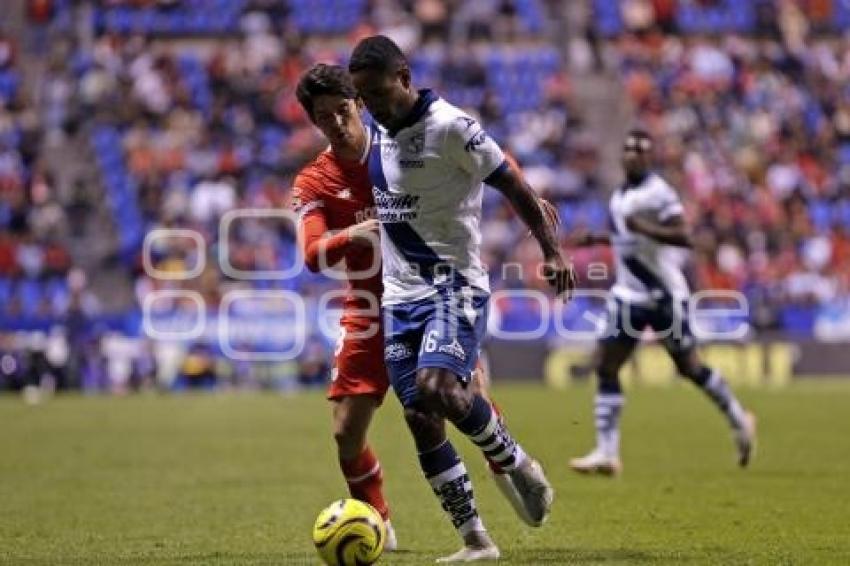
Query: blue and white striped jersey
x=427 y=178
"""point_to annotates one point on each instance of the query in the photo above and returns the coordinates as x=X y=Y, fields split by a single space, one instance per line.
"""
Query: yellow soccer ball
x=349 y=532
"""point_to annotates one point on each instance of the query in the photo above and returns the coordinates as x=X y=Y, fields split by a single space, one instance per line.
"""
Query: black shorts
x=668 y=319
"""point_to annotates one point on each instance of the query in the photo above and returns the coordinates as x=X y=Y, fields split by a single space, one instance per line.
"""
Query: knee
x=692 y=371
x=441 y=392
x=349 y=439
x=609 y=379
x=428 y=386
x=426 y=428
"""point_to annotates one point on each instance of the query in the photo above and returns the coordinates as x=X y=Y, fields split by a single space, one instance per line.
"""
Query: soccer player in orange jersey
x=333 y=197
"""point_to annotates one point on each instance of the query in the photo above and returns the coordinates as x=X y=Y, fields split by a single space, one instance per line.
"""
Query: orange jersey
x=330 y=195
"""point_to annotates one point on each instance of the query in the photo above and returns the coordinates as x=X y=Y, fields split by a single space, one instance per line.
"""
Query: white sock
x=607 y=408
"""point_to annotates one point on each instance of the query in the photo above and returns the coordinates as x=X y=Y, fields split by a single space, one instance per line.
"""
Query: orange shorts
x=359 y=361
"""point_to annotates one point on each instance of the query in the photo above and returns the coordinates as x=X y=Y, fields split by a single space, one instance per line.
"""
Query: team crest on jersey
x=344 y=193
x=416 y=143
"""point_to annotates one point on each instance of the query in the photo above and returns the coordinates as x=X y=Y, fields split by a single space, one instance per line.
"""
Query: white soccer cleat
x=391 y=543
x=472 y=554
x=509 y=490
x=745 y=440
x=597 y=463
x=530 y=493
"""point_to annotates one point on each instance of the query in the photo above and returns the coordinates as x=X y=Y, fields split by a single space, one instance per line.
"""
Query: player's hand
x=561 y=275
x=365 y=233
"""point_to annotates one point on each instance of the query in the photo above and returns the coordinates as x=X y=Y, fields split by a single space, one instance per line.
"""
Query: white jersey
x=647 y=270
x=427 y=182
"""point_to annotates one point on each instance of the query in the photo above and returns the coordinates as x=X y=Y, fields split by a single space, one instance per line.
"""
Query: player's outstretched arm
x=673 y=232
x=527 y=205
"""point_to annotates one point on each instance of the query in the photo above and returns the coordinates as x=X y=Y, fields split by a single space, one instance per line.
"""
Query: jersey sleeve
x=314 y=239
x=468 y=145
x=306 y=196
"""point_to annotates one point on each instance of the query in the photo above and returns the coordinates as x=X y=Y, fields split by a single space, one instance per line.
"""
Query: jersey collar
x=627 y=185
x=426 y=98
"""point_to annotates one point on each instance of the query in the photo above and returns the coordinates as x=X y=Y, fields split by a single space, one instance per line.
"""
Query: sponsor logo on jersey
x=397 y=351
x=453 y=349
x=397 y=208
x=396 y=202
x=344 y=193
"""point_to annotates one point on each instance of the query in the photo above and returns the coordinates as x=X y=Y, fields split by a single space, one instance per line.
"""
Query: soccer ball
x=349 y=532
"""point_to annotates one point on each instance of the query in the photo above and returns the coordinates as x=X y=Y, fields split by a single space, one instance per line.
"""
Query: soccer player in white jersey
x=648 y=235
x=427 y=164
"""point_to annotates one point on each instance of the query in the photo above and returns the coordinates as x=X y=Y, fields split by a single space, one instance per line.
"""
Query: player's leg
x=359 y=464
x=357 y=390
x=449 y=355
x=480 y=385
x=681 y=345
x=449 y=479
x=445 y=392
x=440 y=463
x=612 y=351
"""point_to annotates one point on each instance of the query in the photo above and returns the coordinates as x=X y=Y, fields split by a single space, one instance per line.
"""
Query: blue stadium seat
x=30 y=293
x=820 y=214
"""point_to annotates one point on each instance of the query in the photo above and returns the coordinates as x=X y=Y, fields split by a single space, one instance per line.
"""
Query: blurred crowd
x=190 y=113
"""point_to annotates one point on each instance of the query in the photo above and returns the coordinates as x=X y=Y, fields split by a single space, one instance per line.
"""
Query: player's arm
x=533 y=213
x=468 y=145
x=674 y=231
x=319 y=246
x=318 y=242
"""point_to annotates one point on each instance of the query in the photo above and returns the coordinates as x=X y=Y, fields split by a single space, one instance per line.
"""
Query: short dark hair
x=324 y=79
x=377 y=53
x=639 y=133
x=642 y=137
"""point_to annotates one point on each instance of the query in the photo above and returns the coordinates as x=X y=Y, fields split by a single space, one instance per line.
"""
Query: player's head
x=330 y=100
x=637 y=154
x=382 y=76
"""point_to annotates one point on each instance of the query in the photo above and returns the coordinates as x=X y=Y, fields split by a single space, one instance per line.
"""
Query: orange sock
x=365 y=480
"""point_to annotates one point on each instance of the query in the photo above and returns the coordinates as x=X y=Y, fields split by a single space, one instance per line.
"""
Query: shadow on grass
x=552 y=555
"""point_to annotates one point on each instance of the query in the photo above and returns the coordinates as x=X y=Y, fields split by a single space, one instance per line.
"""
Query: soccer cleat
x=390 y=544
x=473 y=554
x=745 y=440
x=597 y=463
x=533 y=490
x=508 y=489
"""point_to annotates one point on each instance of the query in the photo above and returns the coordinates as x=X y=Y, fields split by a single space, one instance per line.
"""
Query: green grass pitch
x=239 y=479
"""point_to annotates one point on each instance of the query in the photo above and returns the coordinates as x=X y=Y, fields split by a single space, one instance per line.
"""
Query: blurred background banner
x=118 y=118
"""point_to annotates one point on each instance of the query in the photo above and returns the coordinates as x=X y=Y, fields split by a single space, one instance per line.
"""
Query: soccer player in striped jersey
x=648 y=234
x=427 y=164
